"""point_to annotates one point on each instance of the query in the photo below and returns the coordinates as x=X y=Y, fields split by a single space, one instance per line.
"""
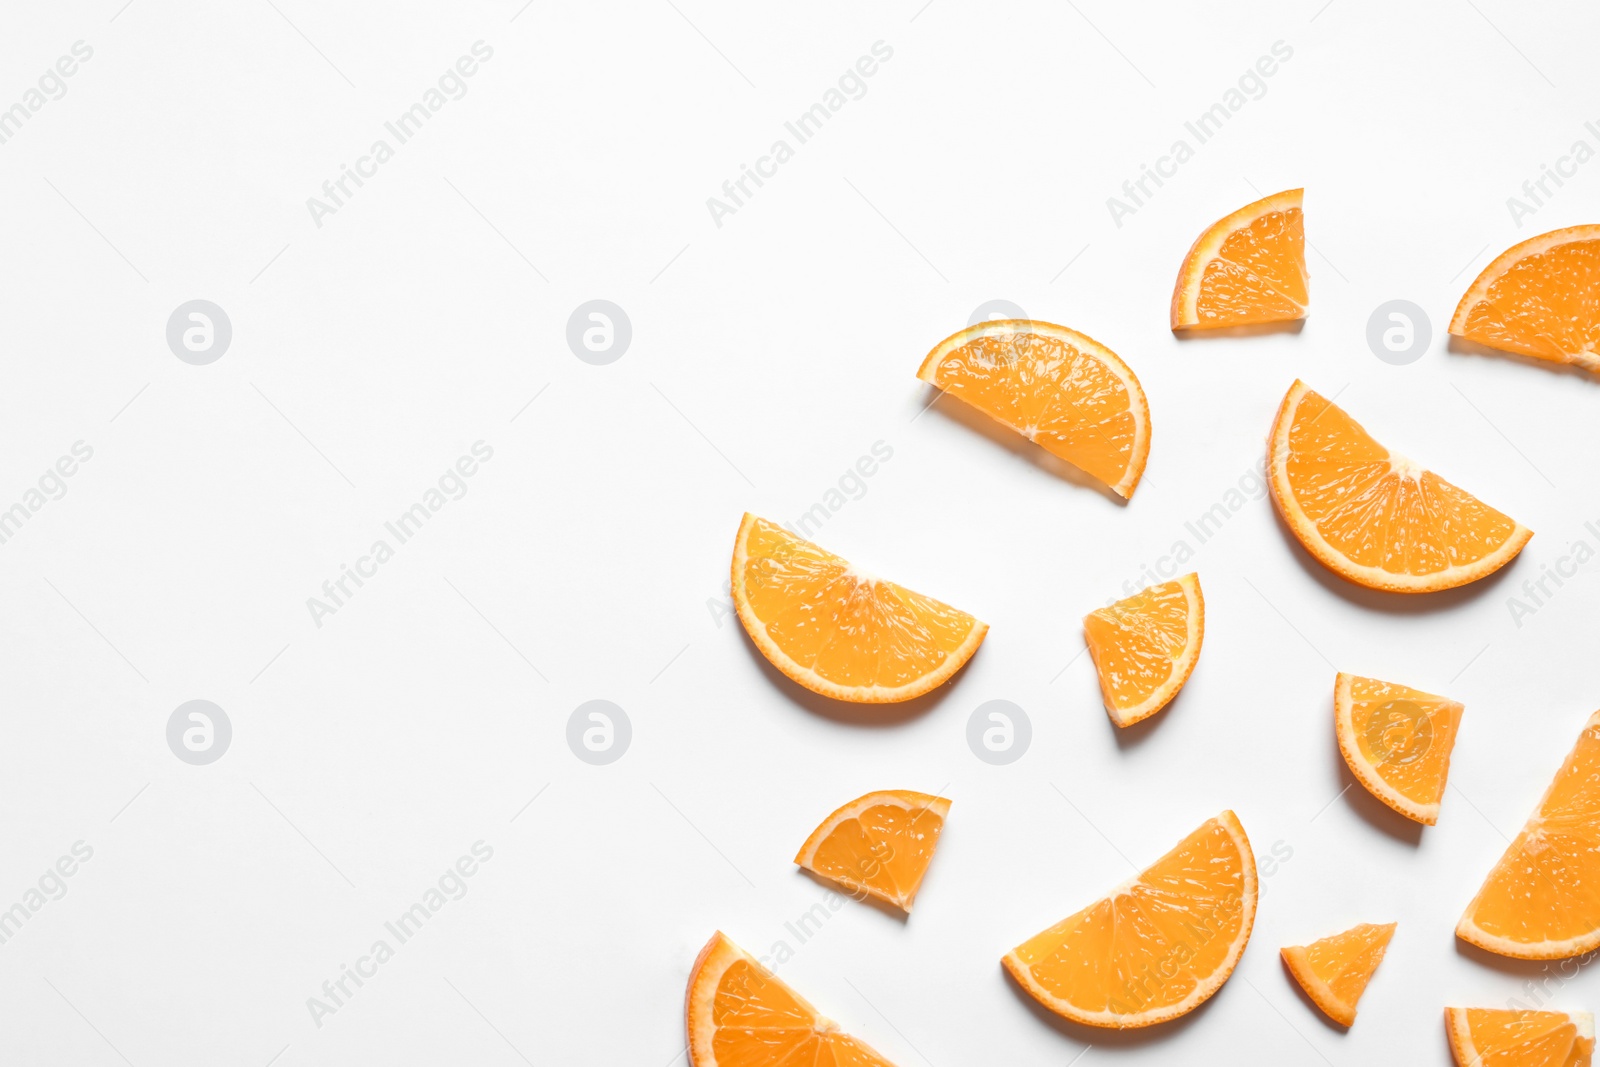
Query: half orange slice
x=1064 y=391
x=879 y=844
x=1246 y=269
x=1397 y=742
x=1145 y=647
x=1490 y=1037
x=1540 y=298
x=839 y=631
x=1335 y=971
x=1373 y=516
x=742 y=1015
x=1540 y=901
x=1159 y=945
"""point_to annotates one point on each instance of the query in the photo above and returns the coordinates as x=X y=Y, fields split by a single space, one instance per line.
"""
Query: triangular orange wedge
x=1397 y=742
x=1538 y=298
x=1159 y=945
x=879 y=844
x=839 y=631
x=1335 y=971
x=1490 y=1037
x=1540 y=901
x=1248 y=268
x=1145 y=647
x=1065 y=392
x=742 y=1015
x=1373 y=516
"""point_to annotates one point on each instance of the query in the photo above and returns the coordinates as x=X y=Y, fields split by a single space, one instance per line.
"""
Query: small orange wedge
x=1539 y=902
x=1335 y=971
x=839 y=631
x=1159 y=945
x=1065 y=392
x=1248 y=268
x=1490 y=1037
x=1145 y=647
x=1540 y=298
x=1397 y=742
x=879 y=844
x=1373 y=516
x=741 y=1015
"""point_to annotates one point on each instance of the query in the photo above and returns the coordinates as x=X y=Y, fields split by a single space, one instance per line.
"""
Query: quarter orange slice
x=1540 y=298
x=1063 y=391
x=1159 y=945
x=1490 y=1037
x=1397 y=742
x=879 y=844
x=1373 y=516
x=742 y=1015
x=1248 y=268
x=1145 y=647
x=1540 y=901
x=1335 y=971
x=839 y=631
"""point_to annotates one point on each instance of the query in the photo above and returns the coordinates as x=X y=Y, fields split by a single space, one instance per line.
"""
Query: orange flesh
x=1061 y=396
x=1335 y=970
x=841 y=628
x=1150 y=950
x=1259 y=274
x=1140 y=644
x=883 y=850
x=1411 y=755
x=1494 y=1038
x=1542 y=899
x=1545 y=304
x=761 y=1022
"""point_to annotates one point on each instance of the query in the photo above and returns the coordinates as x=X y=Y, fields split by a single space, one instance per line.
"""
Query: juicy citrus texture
x=879 y=844
x=1540 y=298
x=1540 y=901
x=741 y=1015
x=1065 y=392
x=1159 y=945
x=1248 y=268
x=1334 y=971
x=1372 y=515
x=838 y=631
x=1397 y=742
x=1488 y=1037
x=1145 y=647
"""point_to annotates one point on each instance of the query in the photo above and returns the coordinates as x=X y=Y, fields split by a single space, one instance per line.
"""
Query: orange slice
x=1489 y=1037
x=1397 y=742
x=839 y=631
x=741 y=1015
x=1145 y=647
x=1063 y=391
x=1335 y=971
x=1159 y=945
x=1373 y=516
x=1539 y=902
x=879 y=844
x=1540 y=298
x=1248 y=268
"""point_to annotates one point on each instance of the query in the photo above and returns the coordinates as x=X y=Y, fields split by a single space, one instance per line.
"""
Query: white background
x=589 y=558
